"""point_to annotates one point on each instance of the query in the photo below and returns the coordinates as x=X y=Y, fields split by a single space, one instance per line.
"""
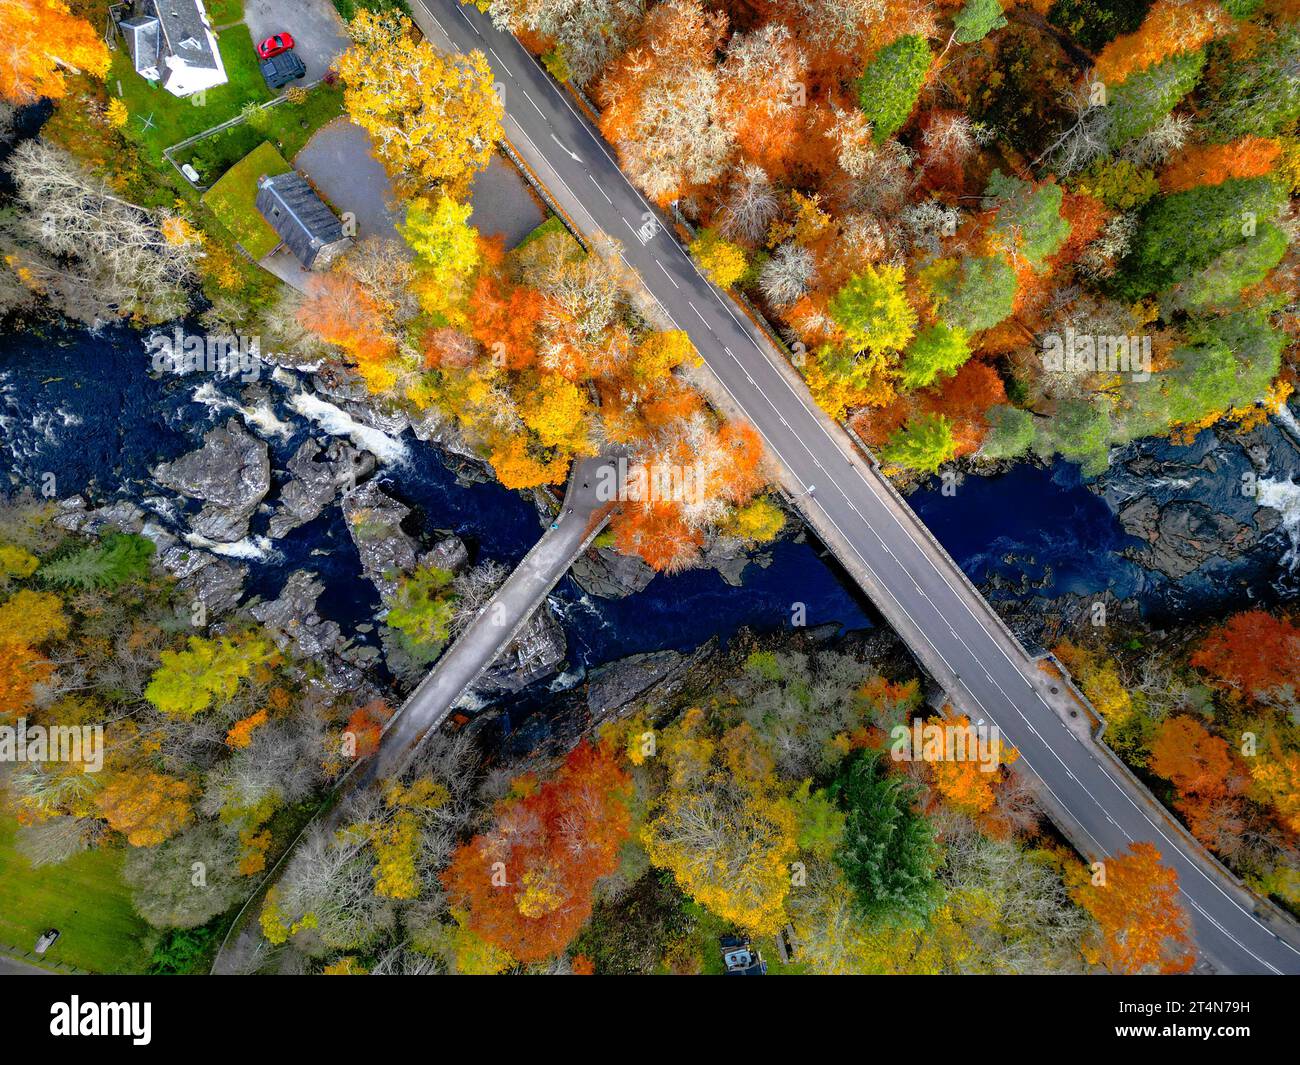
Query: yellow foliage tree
x=722 y=826
x=434 y=119
x=559 y=411
x=40 y=40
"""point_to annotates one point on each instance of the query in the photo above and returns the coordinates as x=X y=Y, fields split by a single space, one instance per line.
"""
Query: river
x=87 y=408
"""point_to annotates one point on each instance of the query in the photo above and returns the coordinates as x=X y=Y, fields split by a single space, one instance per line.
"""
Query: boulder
x=216 y=582
x=292 y=617
x=535 y=653
x=1183 y=535
x=315 y=481
x=375 y=524
x=231 y=474
x=604 y=572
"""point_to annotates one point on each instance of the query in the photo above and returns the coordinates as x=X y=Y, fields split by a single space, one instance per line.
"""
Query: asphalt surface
x=582 y=515
x=920 y=591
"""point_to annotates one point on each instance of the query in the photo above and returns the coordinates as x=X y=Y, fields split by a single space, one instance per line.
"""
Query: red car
x=281 y=42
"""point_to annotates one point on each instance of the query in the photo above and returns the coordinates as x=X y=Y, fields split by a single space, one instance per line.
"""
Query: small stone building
x=303 y=221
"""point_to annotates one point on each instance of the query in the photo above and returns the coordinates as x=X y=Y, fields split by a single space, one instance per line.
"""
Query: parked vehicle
x=277 y=45
x=281 y=69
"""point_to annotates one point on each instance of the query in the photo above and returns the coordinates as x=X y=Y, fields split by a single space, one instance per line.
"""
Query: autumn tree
x=722 y=826
x=1213 y=164
x=434 y=119
x=446 y=248
x=1171 y=27
x=527 y=884
x=338 y=310
x=924 y=444
x=723 y=262
x=1141 y=924
x=969 y=777
x=40 y=42
x=1253 y=653
x=873 y=311
x=209 y=670
x=146 y=807
x=661 y=103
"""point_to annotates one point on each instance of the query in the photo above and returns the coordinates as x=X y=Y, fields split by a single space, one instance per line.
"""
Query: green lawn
x=224 y=12
x=233 y=200
x=84 y=898
x=159 y=119
x=287 y=125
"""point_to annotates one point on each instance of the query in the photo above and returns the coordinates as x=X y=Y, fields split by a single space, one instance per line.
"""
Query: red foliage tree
x=1253 y=653
x=527 y=885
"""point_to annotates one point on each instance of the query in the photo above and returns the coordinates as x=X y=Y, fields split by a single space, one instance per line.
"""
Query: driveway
x=504 y=203
x=338 y=161
x=318 y=32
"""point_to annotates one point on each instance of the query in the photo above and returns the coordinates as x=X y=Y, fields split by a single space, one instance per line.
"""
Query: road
x=919 y=590
x=581 y=517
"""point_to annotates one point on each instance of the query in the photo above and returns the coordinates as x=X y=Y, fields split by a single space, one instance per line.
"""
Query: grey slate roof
x=143 y=35
x=185 y=34
x=301 y=218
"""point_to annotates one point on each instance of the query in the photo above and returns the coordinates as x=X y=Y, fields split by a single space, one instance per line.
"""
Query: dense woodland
x=918 y=196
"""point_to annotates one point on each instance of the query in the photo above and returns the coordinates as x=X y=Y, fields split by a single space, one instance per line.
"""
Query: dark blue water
x=87 y=409
x=1033 y=525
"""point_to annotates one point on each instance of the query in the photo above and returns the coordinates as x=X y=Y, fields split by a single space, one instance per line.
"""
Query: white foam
x=338 y=422
x=1288 y=422
x=260 y=418
x=1284 y=497
x=251 y=548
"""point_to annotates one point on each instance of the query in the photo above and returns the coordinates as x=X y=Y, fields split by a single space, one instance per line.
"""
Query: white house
x=171 y=42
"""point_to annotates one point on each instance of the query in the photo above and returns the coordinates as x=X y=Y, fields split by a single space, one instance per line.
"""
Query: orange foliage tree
x=1141 y=924
x=366 y=726
x=21 y=669
x=1171 y=27
x=1213 y=164
x=1253 y=653
x=40 y=40
x=146 y=807
x=341 y=312
x=969 y=779
x=528 y=884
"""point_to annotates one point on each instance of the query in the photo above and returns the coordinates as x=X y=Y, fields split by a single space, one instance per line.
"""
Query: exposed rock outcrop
x=231 y=474
x=535 y=653
x=1183 y=535
x=375 y=524
x=216 y=582
x=292 y=618
x=603 y=572
x=316 y=475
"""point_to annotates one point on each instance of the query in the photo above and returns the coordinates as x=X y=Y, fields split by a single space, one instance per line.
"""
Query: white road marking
x=924 y=551
x=467 y=21
x=535 y=108
x=602 y=191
